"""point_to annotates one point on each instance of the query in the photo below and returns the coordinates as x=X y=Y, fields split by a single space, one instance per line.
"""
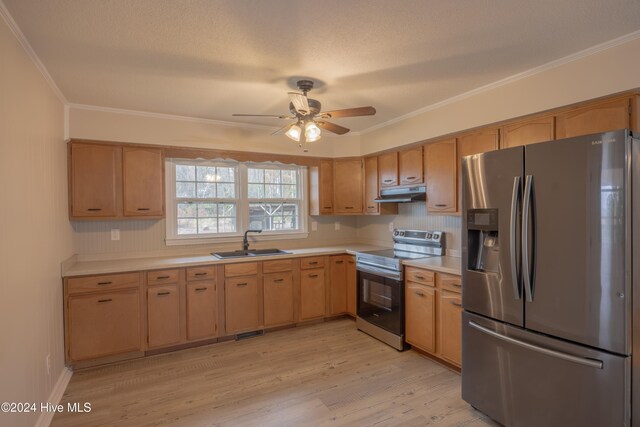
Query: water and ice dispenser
x=482 y=240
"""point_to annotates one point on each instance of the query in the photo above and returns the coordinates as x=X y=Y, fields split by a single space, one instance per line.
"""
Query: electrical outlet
x=336 y=225
x=48 y=363
x=391 y=227
x=115 y=234
x=314 y=226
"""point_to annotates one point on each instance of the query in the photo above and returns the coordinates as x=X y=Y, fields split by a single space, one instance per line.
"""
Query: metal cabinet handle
x=313 y=262
x=456 y=303
x=313 y=276
x=457 y=285
x=593 y=363
x=200 y=274
x=386 y=181
x=327 y=207
x=242 y=284
x=105 y=300
x=370 y=207
x=162 y=277
x=409 y=178
x=278 y=280
x=419 y=277
x=104 y=283
x=161 y=294
x=94 y=209
x=440 y=205
x=200 y=289
x=144 y=209
x=420 y=294
x=339 y=262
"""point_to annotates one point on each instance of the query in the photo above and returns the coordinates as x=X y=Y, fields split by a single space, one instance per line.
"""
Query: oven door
x=381 y=302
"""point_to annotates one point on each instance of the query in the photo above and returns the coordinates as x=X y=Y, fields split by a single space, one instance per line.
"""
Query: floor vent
x=249 y=335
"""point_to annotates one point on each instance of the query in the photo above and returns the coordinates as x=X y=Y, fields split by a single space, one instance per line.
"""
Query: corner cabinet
x=111 y=181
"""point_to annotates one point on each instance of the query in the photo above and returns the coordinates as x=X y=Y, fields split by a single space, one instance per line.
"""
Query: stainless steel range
x=381 y=283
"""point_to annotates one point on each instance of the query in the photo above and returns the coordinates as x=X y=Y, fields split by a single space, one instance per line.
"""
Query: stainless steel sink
x=249 y=253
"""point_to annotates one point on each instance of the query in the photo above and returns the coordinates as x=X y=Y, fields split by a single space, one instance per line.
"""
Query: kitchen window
x=216 y=201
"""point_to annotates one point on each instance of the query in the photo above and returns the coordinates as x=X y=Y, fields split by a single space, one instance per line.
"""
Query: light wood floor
x=327 y=374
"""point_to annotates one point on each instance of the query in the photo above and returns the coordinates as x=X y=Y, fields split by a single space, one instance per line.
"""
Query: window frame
x=172 y=238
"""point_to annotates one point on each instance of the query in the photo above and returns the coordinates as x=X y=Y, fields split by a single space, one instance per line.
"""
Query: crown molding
x=523 y=75
x=13 y=26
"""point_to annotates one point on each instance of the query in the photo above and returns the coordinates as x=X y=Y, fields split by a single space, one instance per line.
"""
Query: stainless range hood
x=402 y=194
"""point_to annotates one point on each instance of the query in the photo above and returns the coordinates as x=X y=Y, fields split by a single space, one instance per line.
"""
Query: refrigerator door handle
x=515 y=196
x=592 y=363
x=526 y=217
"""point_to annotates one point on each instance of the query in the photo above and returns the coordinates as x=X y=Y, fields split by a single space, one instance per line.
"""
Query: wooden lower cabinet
x=103 y=324
x=338 y=284
x=163 y=316
x=420 y=315
x=450 y=326
x=352 y=285
x=278 y=299
x=242 y=304
x=202 y=310
x=312 y=294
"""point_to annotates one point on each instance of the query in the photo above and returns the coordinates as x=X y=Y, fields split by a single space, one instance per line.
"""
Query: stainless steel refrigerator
x=550 y=243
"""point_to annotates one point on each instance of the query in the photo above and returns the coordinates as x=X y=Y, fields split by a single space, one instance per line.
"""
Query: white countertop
x=443 y=264
x=85 y=268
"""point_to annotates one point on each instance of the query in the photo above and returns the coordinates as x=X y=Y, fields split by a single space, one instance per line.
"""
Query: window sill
x=183 y=241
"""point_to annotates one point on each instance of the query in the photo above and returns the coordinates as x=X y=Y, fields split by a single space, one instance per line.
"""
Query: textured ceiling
x=209 y=59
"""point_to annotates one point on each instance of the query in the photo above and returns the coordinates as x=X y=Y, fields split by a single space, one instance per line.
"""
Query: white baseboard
x=54 y=398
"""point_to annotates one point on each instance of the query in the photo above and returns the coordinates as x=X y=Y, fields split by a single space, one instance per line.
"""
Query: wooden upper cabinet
x=441 y=176
x=410 y=166
x=475 y=143
x=348 y=186
x=596 y=117
x=94 y=180
x=388 y=169
x=143 y=181
x=326 y=186
x=371 y=185
x=532 y=131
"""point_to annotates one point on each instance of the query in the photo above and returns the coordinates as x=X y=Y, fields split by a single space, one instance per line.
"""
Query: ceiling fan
x=308 y=117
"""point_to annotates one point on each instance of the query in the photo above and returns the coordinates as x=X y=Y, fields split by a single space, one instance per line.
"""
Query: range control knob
x=401 y=233
x=396 y=232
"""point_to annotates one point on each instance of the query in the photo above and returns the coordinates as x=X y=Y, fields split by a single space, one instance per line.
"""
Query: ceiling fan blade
x=300 y=102
x=332 y=127
x=349 y=112
x=283 y=129
x=264 y=115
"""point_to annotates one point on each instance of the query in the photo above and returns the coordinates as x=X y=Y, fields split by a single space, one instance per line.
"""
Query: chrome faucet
x=245 y=241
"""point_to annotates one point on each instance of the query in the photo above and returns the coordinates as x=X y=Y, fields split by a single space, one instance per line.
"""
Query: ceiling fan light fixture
x=311 y=131
x=294 y=132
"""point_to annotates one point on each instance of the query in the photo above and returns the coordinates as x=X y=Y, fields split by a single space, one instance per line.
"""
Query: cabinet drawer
x=244 y=269
x=78 y=285
x=163 y=276
x=449 y=282
x=312 y=262
x=419 y=275
x=201 y=273
x=277 y=266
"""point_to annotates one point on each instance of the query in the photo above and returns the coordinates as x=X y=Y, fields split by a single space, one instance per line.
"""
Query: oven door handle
x=366 y=267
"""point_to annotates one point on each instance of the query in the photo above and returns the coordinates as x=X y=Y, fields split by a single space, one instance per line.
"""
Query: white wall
x=35 y=234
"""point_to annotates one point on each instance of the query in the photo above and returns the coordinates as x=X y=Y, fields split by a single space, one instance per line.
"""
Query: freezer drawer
x=520 y=378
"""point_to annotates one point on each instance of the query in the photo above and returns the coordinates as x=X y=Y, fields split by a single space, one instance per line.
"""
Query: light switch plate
x=115 y=234
x=336 y=225
x=391 y=227
x=314 y=226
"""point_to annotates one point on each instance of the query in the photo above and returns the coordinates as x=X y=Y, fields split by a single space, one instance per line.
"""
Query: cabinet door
x=474 y=143
x=440 y=172
x=278 y=299
x=143 y=181
x=103 y=324
x=338 y=280
x=312 y=294
x=95 y=180
x=326 y=186
x=421 y=316
x=388 y=169
x=348 y=186
x=450 y=323
x=410 y=166
x=371 y=184
x=594 y=118
x=202 y=310
x=163 y=315
x=242 y=308
x=352 y=285
x=539 y=129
